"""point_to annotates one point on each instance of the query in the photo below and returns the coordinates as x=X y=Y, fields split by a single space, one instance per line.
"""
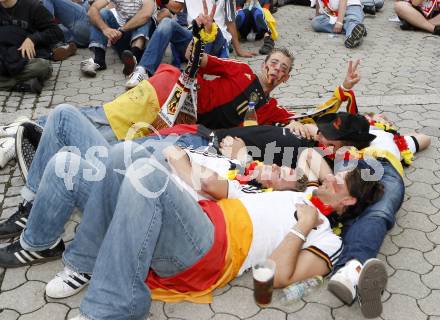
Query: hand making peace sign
x=353 y=75
x=206 y=19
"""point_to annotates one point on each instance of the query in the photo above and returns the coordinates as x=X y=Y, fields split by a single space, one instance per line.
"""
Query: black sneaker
x=404 y=25
x=129 y=61
x=370 y=9
x=14 y=255
x=13 y=226
x=32 y=85
x=356 y=36
x=268 y=45
x=26 y=143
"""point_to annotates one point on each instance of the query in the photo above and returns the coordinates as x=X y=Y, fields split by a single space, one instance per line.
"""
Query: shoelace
x=21 y=212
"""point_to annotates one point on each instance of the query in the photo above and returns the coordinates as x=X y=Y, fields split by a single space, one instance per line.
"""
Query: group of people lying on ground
x=141 y=30
x=175 y=214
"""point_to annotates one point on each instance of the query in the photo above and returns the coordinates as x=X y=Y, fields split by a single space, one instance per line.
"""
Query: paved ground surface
x=401 y=78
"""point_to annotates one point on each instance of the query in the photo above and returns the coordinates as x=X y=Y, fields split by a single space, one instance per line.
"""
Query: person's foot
x=15 y=224
x=268 y=45
x=64 y=51
x=138 y=75
x=404 y=25
x=14 y=256
x=372 y=282
x=26 y=143
x=357 y=35
x=7 y=150
x=33 y=85
x=67 y=283
x=89 y=67
x=370 y=9
x=10 y=130
x=129 y=61
x=344 y=282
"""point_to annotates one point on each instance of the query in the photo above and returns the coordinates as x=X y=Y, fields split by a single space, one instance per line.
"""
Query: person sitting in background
x=27 y=35
x=126 y=26
x=336 y=16
x=250 y=21
x=419 y=14
x=73 y=21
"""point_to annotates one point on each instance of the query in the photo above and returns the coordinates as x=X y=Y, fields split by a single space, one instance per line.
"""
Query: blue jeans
x=74 y=19
x=353 y=16
x=363 y=236
x=170 y=31
x=60 y=181
x=167 y=233
x=98 y=39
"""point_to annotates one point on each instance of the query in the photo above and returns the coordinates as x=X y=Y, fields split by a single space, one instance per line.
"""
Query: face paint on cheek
x=269 y=80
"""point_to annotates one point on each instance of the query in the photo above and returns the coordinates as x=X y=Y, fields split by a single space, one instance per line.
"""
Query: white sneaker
x=79 y=317
x=344 y=282
x=10 y=130
x=7 y=150
x=136 y=77
x=67 y=283
x=89 y=67
x=372 y=282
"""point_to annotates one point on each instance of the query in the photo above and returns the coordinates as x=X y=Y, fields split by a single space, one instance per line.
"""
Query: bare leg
x=407 y=12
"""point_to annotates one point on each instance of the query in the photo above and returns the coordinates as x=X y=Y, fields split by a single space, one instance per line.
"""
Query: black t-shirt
x=269 y=144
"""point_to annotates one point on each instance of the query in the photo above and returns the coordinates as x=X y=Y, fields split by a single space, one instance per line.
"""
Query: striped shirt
x=126 y=9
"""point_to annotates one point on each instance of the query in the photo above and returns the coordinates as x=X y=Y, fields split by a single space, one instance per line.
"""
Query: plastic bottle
x=250 y=118
x=297 y=290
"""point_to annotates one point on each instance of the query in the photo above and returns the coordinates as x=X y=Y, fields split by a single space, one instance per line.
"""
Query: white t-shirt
x=195 y=8
x=272 y=215
x=385 y=140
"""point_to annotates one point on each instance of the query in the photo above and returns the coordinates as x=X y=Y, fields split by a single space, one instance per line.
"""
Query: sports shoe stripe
x=36 y=255
x=19 y=258
x=26 y=255
x=21 y=224
x=80 y=279
x=72 y=285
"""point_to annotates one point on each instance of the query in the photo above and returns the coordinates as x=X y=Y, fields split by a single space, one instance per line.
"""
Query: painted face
x=334 y=191
x=276 y=177
x=277 y=68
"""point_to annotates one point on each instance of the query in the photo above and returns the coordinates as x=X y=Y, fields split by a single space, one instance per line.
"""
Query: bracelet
x=298 y=233
x=340 y=23
x=121 y=30
x=344 y=88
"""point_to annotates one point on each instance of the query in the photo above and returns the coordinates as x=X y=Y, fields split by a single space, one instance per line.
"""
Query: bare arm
x=95 y=16
x=232 y=28
x=293 y=264
x=200 y=178
x=415 y=3
x=313 y=165
x=141 y=17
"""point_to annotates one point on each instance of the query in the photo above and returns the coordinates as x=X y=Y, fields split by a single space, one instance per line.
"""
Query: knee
x=165 y=25
x=400 y=7
x=62 y=111
x=317 y=23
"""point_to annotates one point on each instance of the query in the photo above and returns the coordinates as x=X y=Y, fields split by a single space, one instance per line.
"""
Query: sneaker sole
x=24 y=152
x=340 y=291
x=89 y=73
x=129 y=61
x=372 y=281
x=355 y=39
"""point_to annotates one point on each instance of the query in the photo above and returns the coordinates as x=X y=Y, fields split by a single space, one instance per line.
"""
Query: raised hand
x=353 y=75
x=204 y=19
